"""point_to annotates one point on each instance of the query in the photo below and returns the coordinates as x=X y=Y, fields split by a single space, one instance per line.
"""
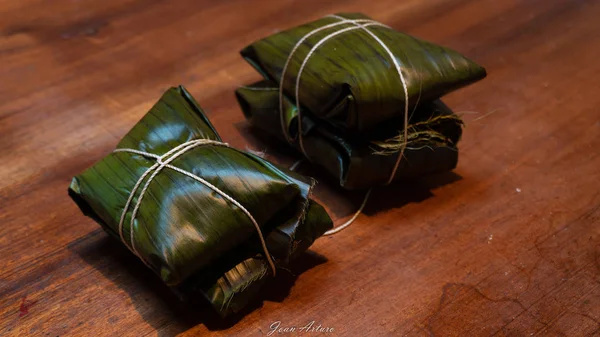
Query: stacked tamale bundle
x=358 y=98
x=206 y=218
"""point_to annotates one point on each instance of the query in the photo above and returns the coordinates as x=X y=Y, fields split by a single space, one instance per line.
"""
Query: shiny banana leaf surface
x=349 y=79
x=194 y=239
x=367 y=160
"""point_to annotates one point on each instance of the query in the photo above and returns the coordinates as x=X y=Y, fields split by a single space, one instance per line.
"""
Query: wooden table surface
x=506 y=245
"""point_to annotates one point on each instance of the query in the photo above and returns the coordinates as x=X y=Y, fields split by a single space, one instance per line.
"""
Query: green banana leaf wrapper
x=362 y=161
x=353 y=101
x=195 y=240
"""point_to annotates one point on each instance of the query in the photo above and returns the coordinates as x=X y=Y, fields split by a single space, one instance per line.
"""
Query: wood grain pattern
x=508 y=245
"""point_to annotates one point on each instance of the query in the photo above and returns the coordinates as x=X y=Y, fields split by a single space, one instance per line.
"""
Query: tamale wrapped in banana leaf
x=208 y=219
x=359 y=98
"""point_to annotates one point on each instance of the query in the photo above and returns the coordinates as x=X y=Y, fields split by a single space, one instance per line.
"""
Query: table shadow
x=392 y=196
x=157 y=303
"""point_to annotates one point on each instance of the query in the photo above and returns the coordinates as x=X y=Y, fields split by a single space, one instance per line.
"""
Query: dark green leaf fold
x=367 y=160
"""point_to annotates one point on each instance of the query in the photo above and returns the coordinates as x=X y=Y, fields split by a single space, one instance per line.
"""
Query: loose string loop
x=360 y=24
x=351 y=220
x=162 y=162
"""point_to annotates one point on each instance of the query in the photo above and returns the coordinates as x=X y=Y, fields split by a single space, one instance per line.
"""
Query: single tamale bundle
x=208 y=219
x=359 y=98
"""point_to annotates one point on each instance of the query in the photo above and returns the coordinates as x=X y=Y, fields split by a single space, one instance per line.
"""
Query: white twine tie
x=358 y=24
x=287 y=62
x=162 y=162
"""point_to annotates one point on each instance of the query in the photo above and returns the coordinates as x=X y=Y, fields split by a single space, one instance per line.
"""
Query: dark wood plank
x=507 y=245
